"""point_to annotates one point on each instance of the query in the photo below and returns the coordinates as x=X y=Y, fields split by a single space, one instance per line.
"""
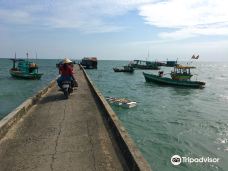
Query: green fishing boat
x=181 y=76
x=25 y=69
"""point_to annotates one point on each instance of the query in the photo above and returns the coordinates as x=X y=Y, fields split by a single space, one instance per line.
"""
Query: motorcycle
x=67 y=88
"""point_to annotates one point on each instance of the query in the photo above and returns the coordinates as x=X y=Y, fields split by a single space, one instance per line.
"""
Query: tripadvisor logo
x=176 y=160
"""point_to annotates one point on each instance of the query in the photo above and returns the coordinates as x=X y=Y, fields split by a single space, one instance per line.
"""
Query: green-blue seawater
x=167 y=120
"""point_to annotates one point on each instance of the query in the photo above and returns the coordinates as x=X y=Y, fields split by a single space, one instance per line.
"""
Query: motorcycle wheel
x=66 y=93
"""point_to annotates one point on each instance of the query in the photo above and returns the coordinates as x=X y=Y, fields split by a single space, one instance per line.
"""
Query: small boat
x=179 y=77
x=171 y=63
x=89 y=62
x=159 y=63
x=127 y=68
x=139 y=64
x=25 y=69
x=122 y=102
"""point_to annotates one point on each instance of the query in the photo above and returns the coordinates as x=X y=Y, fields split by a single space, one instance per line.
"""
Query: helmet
x=66 y=61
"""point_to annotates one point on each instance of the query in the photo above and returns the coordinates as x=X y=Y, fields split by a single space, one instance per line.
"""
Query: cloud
x=16 y=16
x=92 y=16
x=87 y=16
x=187 y=18
x=181 y=18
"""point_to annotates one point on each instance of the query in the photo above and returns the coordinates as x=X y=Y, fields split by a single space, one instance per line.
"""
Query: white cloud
x=188 y=17
x=185 y=18
x=87 y=16
x=91 y=16
x=16 y=16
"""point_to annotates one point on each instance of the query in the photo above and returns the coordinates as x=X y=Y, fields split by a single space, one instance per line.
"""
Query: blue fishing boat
x=24 y=69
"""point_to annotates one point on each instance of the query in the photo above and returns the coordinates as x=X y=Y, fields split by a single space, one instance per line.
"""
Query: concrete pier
x=56 y=134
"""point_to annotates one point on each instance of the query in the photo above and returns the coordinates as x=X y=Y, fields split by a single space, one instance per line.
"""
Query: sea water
x=167 y=120
x=173 y=120
x=14 y=91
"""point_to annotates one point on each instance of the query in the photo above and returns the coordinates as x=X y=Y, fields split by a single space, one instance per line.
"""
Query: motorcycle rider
x=66 y=71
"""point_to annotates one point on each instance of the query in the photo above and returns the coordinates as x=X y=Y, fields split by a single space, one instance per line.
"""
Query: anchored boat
x=179 y=77
x=89 y=62
x=25 y=69
x=139 y=64
x=127 y=68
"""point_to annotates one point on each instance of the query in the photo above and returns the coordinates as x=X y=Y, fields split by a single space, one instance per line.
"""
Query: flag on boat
x=195 y=57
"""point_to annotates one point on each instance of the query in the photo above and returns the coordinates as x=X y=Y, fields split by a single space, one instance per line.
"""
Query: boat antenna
x=15 y=56
x=27 y=55
x=148 y=54
x=36 y=56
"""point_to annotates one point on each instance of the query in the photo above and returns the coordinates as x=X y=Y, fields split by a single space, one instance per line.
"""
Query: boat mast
x=148 y=54
x=36 y=62
x=14 y=61
x=27 y=55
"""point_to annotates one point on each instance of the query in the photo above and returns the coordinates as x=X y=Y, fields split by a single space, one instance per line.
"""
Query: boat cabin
x=89 y=62
x=24 y=66
x=140 y=64
x=182 y=72
x=171 y=63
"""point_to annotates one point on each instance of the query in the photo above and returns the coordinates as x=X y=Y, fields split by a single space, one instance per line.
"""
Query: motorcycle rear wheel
x=66 y=93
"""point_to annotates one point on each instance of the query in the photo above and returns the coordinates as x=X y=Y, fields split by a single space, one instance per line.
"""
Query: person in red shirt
x=66 y=71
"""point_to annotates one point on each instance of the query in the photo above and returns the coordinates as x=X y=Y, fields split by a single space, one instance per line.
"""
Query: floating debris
x=122 y=102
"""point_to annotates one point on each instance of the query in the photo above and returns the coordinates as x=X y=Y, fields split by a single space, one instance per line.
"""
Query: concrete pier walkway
x=61 y=135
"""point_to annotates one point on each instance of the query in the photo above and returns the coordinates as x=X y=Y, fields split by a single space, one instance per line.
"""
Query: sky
x=115 y=29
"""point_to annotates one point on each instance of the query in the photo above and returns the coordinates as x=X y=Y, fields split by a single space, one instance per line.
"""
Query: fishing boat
x=25 y=69
x=127 y=68
x=140 y=64
x=181 y=76
x=171 y=63
x=89 y=62
x=121 y=102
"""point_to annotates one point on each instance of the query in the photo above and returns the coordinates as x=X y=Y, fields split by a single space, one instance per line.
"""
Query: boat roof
x=17 y=59
x=184 y=67
x=141 y=60
x=90 y=58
